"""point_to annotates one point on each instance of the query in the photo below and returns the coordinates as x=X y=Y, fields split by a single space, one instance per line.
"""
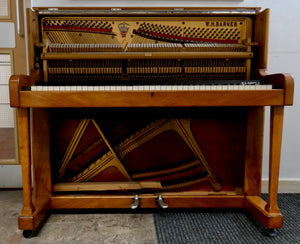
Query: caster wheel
x=27 y=233
x=271 y=232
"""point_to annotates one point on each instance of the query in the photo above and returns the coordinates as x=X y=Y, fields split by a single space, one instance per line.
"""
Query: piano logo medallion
x=123 y=27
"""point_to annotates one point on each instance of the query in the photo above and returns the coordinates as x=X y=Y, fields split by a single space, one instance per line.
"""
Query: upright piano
x=148 y=108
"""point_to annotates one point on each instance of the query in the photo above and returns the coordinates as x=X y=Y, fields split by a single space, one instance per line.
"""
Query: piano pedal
x=160 y=202
x=136 y=202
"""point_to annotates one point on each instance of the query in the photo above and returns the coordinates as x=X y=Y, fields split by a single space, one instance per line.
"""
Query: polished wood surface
x=103 y=186
x=147 y=201
x=42 y=184
x=148 y=99
x=261 y=36
x=280 y=80
x=25 y=158
x=224 y=137
x=254 y=151
x=275 y=146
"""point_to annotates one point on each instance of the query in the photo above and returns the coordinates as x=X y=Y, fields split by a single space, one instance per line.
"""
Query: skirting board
x=10 y=177
x=284 y=186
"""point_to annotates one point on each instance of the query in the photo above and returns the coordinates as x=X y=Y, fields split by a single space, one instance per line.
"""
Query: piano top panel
x=153 y=11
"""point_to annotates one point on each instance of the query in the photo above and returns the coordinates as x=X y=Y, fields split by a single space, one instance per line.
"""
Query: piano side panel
x=254 y=151
x=41 y=153
x=261 y=36
x=41 y=167
x=33 y=38
x=284 y=81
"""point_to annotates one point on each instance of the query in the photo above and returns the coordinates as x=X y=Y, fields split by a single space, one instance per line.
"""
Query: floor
x=100 y=228
x=210 y=226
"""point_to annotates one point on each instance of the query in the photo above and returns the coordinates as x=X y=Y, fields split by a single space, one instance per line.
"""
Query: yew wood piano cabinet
x=148 y=108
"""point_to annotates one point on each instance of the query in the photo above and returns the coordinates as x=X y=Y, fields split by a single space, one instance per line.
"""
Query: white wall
x=284 y=56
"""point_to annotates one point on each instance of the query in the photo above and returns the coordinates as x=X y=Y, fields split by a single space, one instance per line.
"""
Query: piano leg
x=37 y=205
x=268 y=214
x=275 y=149
x=25 y=159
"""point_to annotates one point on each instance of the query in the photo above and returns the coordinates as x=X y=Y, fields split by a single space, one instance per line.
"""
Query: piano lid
x=146 y=11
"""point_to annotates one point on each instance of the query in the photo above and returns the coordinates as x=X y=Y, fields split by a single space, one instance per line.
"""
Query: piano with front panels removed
x=145 y=108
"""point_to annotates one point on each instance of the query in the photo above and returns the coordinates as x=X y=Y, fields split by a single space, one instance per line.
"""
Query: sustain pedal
x=160 y=202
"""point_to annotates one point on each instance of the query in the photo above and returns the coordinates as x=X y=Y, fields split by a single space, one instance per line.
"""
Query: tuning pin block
x=160 y=202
